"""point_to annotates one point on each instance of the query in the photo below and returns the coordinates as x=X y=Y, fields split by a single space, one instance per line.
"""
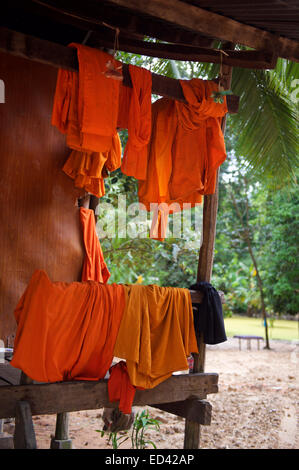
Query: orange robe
x=135 y=115
x=94 y=266
x=185 y=151
x=67 y=331
x=156 y=333
x=85 y=108
x=120 y=388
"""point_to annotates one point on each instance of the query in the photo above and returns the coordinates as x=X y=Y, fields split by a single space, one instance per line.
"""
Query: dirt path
x=256 y=407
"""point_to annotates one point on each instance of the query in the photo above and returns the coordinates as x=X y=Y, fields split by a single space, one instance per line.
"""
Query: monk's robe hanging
x=156 y=333
x=67 y=331
x=135 y=115
x=86 y=109
x=94 y=266
x=185 y=151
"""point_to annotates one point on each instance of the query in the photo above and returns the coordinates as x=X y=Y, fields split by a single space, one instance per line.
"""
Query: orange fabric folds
x=186 y=148
x=94 y=267
x=67 y=330
x=120 y=388
x=86 y=109
x=202 y=115
x=156 y=333
x=135 y=115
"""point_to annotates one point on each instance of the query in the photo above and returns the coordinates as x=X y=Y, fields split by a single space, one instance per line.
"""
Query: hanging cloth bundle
x=208 y=319
x=135 y=115
x=186 y=148
x=85 y=109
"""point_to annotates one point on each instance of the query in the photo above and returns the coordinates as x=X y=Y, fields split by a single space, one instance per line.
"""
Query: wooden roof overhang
x=181 y=30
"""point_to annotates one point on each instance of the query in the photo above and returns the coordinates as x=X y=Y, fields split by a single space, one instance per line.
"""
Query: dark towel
x=208 y=319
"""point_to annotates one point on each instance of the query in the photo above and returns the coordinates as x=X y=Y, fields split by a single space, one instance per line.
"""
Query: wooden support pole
x=61 y=439
x=6 y=440
x=24 y=436
x=205 y=265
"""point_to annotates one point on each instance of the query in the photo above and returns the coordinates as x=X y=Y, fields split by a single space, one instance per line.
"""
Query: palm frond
x=266 y=125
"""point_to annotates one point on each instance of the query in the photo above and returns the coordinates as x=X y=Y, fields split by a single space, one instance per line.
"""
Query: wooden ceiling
x=183 y=30
x=280 y=17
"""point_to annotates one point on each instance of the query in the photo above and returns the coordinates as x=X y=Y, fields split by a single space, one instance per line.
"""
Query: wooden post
x=24 y=436
x=6 y=440
x=61 y=439
x=205 y=265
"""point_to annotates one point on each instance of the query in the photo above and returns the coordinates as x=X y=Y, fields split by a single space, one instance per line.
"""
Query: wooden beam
x=213 y=25
x=91 y=17
x=199 y=411
x=243 y=59
x=57 y=55
x=53 y=398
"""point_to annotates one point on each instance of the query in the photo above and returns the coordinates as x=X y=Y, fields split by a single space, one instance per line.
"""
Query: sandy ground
x=256 y=407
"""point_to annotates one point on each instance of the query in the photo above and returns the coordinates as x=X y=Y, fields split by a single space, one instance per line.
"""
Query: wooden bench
x=21 y=398
x=249 y=338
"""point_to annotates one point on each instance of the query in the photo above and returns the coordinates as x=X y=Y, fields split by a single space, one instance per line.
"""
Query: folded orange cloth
x=85 y=108
x=160 y=322
x=185 y=151
x=136 y=117
x=67 y=331
x=94 y=267
x=89 y=169
x=120 y=388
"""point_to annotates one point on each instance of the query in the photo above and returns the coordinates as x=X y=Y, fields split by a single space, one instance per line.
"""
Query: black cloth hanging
x=208 y=318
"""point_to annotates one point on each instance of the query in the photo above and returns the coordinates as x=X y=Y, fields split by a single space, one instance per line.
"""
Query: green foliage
x=265 y=126
x=142 y=423
x=116 y=438
x=283 y=246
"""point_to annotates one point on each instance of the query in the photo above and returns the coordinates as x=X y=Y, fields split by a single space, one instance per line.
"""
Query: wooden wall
x=39 y=219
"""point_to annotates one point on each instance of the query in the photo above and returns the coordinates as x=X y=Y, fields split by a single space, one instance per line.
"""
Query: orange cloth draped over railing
x=120 y=388
x=72 y=331
x=186 y=148
x=94 y=266
x=135 y=115
x=86 y=110
x=156 y=333
x=67 y=331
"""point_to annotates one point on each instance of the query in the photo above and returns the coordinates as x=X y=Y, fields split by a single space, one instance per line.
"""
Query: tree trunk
x=246 y=237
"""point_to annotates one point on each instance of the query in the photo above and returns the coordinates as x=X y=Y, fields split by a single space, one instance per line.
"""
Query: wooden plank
x=61 y=397
x=199 y=411
x=56 y=55
x=90 y=17
x=213 y=25
x=244 y=59
x=24 y=437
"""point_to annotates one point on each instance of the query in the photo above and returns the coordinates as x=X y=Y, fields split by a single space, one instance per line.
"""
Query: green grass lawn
x=282 y=329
